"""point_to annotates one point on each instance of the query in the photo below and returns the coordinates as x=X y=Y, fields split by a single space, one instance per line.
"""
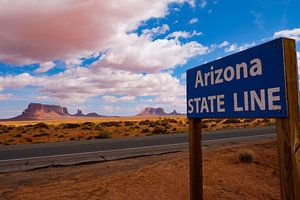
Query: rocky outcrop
x=93 y=115
x=174 y=113
x=41 y=111
x=149 y=111
x=79 y=114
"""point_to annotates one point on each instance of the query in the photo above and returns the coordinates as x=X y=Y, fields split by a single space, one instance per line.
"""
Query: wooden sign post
x=261 y=82
x=288 y=134
x=195 y=149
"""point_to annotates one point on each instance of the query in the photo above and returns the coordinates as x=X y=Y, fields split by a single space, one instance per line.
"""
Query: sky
x=117 y=57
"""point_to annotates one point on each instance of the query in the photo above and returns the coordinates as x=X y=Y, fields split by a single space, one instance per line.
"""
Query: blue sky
x=117 y=57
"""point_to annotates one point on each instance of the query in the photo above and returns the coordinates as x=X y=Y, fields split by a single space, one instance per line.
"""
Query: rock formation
x=41 y=111
x=79 y=113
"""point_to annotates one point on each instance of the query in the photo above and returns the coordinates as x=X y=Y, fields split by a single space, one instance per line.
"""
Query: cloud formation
x=40 y=31
x=290 y=33
x=131 y=64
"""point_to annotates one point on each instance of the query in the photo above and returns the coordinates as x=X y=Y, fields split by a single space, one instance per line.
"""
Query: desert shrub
x=111 y=123
x=40 y=125
x=18 y=135
x=204 y=125
x=70 y=125
x=266 y=120
x=129 y=123
x=144 y=122
x=248 y=120
x=103 y=135
x=29 y=126
x=167 y=125
x=86 y=128
x=60 y=136
x=98 y=127
x=145 y=130
x=88 y=124
x=5 y=129
x=89 y=137
x=174 y=129
x=41 y=134
x=27 y=139
x=170 y=120
x=208 y=120
x=20 y=128
x=246 y=156
x=154 y=123
x=159 y=130
x=6 y=142
x=231 y=121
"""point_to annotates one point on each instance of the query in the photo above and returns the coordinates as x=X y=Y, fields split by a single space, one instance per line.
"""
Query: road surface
x=74 y=152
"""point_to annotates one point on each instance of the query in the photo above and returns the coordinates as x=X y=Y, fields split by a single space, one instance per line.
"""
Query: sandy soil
x=154 y=177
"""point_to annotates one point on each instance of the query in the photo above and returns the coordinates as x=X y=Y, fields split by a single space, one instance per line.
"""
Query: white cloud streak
x=193 y=21
x=290 y=33
x=44 y=67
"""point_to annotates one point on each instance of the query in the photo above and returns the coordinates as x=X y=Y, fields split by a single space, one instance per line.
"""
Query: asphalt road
x=76 y=147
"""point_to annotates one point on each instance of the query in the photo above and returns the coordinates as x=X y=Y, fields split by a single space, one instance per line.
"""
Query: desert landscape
x=49 y=123
x=241 y=171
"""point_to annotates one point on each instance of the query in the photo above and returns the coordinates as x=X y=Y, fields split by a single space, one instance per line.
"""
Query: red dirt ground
x=155 y=177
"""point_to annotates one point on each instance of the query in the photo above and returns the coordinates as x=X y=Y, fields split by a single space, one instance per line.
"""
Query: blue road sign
x=248 y=84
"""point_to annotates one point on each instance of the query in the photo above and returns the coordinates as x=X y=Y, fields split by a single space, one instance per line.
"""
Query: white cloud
x=63 y=30
x=203 y=4
x=127 y=98
x=234 y=47
x=156 y=31
x=110 y=99
x=141 y=54
x=224 y=44
x=113 y=99
x=179 y=34
x=44 y=67
x=111 y=109
x=5 y=97
x=79 y=84
x=193 y=21
x=183 y=34
x=293 y=33
x=231 y=48
x=42 y=97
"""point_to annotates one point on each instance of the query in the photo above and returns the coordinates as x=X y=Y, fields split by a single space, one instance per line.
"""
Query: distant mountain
x=150 y=111
x=41 y=111
x=38 y=111
x=174 y=113
x=93 y=114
